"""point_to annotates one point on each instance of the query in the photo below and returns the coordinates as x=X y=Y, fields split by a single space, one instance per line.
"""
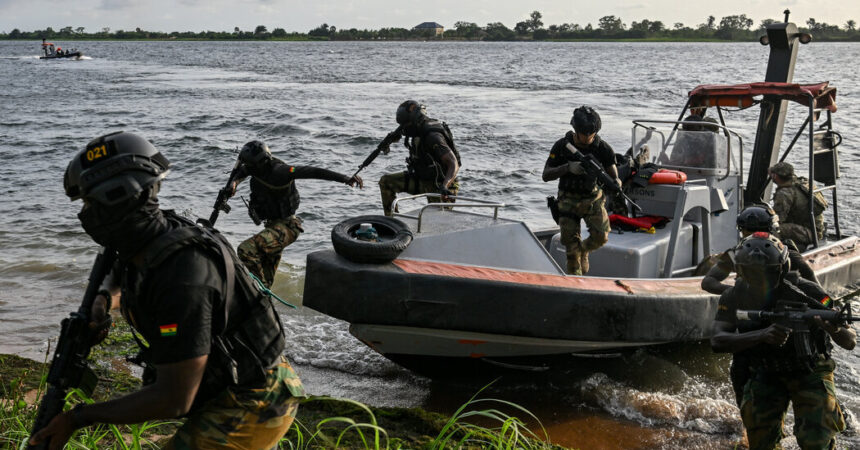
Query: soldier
x=274 y=199
x=779 y=371
x=753 y=218
x=433 y=161
x=791 y=203
x=214 y=340
x=579 y=197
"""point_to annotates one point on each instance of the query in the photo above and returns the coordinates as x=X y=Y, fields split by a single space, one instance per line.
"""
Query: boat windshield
x=707 y=149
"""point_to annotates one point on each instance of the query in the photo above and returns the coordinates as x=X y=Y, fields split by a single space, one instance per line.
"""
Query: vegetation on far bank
x=322 y=422
x=729 y=28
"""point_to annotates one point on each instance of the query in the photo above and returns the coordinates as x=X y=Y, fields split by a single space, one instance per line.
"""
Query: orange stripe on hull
x=669 y=287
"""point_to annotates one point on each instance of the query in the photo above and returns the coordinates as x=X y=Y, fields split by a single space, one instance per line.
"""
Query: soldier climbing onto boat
x=791 y=203
x=274 y=200
x=799 y=370
x=579 y=196
x=433 y=161
x=214 y=341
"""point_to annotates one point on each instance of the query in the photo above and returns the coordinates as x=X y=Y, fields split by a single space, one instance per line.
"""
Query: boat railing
x=470 y=203
x=643 y=123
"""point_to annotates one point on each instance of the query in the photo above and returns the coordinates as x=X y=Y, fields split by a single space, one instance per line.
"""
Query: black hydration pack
x=248 y=338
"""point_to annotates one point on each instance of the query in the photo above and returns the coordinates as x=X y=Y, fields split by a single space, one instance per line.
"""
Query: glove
x=386 y=149
x=575 y=167
x=445 y=192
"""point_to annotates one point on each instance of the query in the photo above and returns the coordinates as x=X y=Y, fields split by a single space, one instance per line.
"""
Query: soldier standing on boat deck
x=780 y=371
x=214 y=341
x=274 y=199
x=579 y=196
x=433 y=161
x=791 y=203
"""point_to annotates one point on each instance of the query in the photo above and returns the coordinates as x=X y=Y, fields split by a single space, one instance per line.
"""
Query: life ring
x=394 y=237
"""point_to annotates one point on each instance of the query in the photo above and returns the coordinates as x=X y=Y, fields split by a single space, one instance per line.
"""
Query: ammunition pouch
x=552 y=204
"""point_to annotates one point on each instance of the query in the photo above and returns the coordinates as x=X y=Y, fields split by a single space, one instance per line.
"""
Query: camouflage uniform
x=392 y=183
x=791 y=204
x=261 y=253
x=817 y=415
x=573 y=208
x=254 y=419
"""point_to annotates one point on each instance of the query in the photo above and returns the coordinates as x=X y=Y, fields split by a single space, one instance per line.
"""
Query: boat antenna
x=786 y=12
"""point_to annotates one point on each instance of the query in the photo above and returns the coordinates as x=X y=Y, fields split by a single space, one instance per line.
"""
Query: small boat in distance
x=53 y=52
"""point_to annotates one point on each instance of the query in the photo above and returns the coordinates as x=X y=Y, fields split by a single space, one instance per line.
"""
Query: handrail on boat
x=726 y=131
x=476 y=203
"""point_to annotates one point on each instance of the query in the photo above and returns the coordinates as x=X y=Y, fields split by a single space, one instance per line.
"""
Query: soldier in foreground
x=214 y=340
x=274 y=199
x=799 y=370
x=433 y=161
x=579 y=196
x=791 y=203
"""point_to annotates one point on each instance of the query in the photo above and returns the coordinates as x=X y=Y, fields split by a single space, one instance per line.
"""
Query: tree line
x=728 y=28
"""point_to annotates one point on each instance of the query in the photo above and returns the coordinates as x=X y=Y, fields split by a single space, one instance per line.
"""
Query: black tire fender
x=394 y=237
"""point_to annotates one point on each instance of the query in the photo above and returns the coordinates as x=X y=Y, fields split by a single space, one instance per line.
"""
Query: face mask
x=124 y=229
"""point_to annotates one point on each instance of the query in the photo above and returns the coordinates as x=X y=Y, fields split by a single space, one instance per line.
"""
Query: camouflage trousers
x=573 y=209
x=253 y=419
x=393 y=183
x=801 y=235
x=817 y=415
x=261 y=253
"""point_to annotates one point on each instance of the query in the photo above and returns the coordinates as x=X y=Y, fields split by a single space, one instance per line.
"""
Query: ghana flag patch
x=292 y=169
x=826 y=301
x=168 y=330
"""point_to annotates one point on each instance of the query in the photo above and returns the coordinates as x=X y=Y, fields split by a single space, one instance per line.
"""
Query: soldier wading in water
x=433 y=160
x=274 y=199
x=213 y=339
x=579 y=196
x=779 y=372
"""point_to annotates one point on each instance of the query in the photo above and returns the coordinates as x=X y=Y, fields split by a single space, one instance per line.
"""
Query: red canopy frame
x=742 y=95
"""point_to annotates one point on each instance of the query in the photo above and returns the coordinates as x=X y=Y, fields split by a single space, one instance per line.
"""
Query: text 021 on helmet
x=114 y=168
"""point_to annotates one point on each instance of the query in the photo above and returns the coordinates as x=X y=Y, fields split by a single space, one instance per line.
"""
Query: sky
x=224 y=15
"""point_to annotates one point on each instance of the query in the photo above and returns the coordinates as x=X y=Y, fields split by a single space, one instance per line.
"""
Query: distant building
x=433 y=26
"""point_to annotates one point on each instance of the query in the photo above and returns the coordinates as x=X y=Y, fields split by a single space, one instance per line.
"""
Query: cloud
x=117 y=4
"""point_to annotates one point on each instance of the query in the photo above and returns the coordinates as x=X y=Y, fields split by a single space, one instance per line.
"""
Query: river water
x=328 y=104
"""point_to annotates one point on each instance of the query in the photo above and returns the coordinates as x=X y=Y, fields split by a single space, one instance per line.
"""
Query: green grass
x=322 y=422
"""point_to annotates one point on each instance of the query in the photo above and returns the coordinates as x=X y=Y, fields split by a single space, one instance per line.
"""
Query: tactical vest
x=420 y=162
x=576 y=184
x=273 y=202
x=248 y=338
x=819 y=202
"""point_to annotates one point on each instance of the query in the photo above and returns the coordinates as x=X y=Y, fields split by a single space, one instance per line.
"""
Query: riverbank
x=322 y=422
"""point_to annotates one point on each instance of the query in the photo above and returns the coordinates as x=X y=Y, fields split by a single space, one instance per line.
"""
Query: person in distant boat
x=433 y=161
x=215 y=343
x=579 y=196
x=780 y=371
x=791 y=203
x=274 y=200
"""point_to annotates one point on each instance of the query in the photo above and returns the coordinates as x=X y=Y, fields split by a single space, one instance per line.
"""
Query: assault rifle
x=390 y=138
x=798 y=317
x=69 y=367
x=595 y=170
x=223 y=195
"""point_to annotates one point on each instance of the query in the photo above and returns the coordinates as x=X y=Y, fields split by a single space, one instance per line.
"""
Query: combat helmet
x=758 y=218
x=585 y=120
x=255 y=154
x=761 y=259
x=406 y=114
x=114 y=168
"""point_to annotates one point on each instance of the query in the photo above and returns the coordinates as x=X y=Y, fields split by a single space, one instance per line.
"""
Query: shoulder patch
x=292 y=169
x=722 y=307
x=168 y=330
